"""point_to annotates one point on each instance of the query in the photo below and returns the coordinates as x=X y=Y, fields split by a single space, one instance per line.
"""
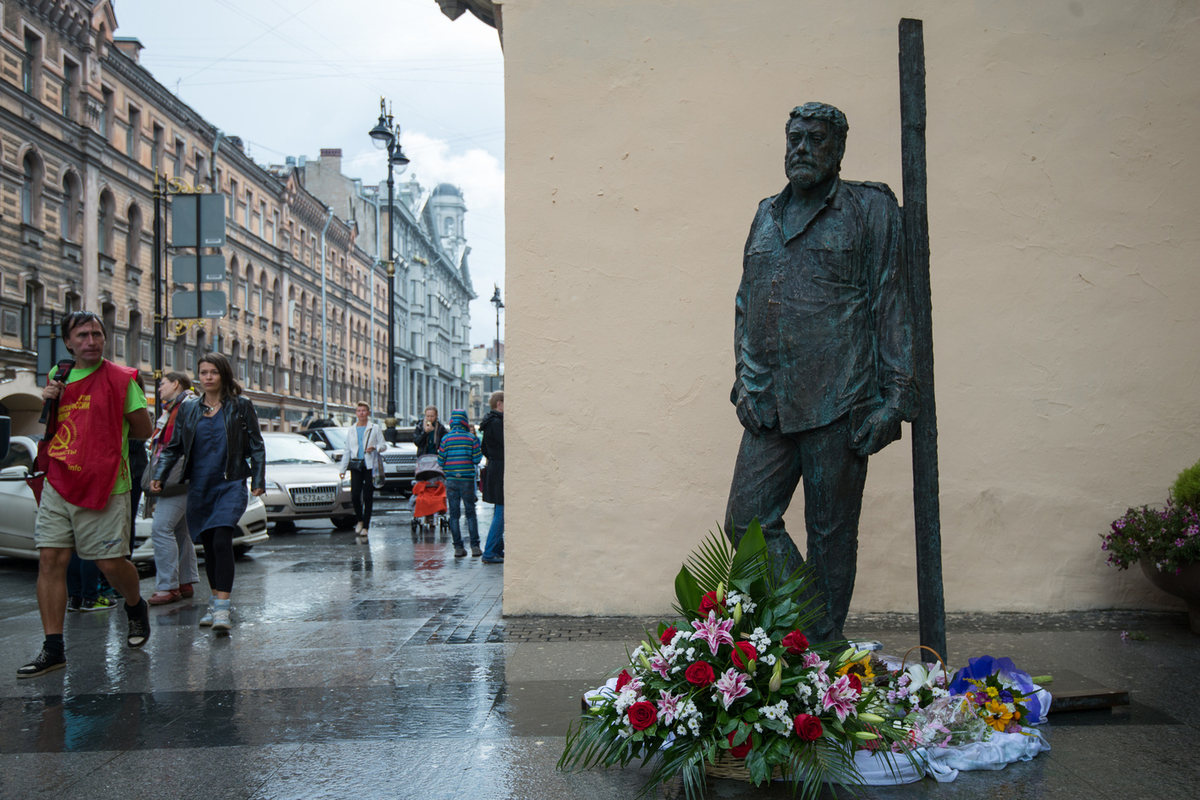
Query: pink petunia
x=732 y=685
x=715 y=632
x=841 y=698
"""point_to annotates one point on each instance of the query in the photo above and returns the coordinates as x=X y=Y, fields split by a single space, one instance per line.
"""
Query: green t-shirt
x=135 y=398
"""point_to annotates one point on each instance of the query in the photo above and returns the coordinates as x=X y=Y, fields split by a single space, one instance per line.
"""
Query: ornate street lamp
x=386 y=136
x=499 y=305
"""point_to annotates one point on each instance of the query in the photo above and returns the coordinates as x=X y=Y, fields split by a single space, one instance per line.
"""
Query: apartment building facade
x=84 y=131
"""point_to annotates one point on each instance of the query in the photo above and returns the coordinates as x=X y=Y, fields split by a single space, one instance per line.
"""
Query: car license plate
x=321 y=497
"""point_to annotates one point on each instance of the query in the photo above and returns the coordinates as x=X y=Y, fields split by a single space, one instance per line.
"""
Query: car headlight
x=346 y=483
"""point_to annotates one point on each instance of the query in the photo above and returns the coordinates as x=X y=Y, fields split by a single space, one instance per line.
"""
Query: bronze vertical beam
x=926 y=507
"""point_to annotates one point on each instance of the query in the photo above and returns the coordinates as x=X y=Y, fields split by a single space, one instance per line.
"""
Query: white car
x=399 y=460
x=18 y=511
x=303 y=483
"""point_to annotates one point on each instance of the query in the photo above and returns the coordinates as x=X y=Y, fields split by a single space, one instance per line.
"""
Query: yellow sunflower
x=862 y=668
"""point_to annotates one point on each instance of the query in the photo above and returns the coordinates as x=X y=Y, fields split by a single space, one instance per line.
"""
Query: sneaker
x=475 y=551
x=459 y=552
x=220 y=616
x=139 y=624
x=42 y=664
x=101 y=603
x=493 y=561
x=207 y=620
x=74 y=603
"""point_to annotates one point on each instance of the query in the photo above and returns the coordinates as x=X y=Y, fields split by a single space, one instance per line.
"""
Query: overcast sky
x=293 y=76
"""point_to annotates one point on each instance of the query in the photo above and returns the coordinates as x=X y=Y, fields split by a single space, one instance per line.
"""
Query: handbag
x=355 y=464
x=174 y=480
x=378 y=478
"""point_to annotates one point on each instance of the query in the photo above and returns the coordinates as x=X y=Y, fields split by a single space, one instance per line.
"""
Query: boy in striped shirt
x=459 y=457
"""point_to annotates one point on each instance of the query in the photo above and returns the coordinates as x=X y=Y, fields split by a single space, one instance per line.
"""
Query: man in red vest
x=85 y=500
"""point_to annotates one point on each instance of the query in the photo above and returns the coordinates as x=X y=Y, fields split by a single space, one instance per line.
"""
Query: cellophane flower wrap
x=736 y=677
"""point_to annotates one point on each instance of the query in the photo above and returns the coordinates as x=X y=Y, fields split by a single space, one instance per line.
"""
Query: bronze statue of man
x=823 y=343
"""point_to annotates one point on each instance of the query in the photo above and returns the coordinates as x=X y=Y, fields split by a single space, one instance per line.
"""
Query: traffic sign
x=212 y=269
x=197 y=305
x=205 y=212
x=50 y=348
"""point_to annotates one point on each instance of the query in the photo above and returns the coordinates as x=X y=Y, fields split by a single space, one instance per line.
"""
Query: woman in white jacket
x=360 y=457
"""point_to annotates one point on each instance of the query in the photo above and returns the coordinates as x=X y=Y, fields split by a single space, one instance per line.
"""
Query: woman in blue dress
x=217 y=437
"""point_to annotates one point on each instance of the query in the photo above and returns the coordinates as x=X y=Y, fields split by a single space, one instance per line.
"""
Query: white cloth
x=1000 y=750
x=374 y=439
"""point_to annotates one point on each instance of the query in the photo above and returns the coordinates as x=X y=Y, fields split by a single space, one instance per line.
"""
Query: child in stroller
x=428 y=499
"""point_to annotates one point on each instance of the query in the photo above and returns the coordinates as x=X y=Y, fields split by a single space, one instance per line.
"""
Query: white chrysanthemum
x=769 y=660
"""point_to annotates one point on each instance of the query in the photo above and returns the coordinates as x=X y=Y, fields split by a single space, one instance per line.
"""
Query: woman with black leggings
x=217 y=435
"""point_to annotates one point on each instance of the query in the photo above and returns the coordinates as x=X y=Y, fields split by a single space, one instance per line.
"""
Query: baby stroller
x=428 y=499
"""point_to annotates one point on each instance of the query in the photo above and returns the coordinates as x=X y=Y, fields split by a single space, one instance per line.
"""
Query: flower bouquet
x=736 y=679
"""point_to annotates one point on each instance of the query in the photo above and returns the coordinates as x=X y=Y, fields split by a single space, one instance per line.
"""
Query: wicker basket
x=729 y=768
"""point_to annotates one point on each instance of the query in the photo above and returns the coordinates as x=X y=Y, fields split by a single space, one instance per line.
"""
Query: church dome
x=447 y=189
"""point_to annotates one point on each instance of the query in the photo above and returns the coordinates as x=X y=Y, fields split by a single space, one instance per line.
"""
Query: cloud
x=476 y=171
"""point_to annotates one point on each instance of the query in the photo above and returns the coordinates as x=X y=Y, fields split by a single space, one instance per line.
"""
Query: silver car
x=399 y=460
x=303 y=483
x=18 y=510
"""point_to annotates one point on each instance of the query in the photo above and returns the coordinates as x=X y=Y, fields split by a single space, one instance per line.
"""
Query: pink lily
x=715 y=632
x=732 y=685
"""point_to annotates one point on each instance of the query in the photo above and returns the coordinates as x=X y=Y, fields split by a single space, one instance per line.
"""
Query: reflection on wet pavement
x=386 y=671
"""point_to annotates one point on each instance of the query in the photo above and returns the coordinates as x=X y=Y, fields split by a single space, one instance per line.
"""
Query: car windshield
x=336 y=436
x=286 y=450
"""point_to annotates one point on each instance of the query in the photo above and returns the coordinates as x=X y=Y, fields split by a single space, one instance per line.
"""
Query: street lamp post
x=386 y=135
x=499 y=305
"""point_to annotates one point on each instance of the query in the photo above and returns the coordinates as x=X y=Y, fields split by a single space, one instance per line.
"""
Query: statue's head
x=816 y=141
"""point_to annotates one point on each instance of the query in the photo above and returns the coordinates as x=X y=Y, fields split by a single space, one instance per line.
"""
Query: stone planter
x=1185 y=586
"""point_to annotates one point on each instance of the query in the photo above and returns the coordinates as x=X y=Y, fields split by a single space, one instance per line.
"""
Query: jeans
x=174 y=552
x=495 y=539
x=362 y=494
x=464 y=491
x=83 y=578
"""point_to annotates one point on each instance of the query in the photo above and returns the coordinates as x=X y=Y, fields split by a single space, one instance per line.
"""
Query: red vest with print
x=85 y=453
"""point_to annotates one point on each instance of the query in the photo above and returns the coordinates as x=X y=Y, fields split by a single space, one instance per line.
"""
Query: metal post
x=926 y=507
x=391 y=279
x=159 y=333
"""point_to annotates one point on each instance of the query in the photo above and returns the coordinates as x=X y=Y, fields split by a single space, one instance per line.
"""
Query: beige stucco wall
x=1063 y=216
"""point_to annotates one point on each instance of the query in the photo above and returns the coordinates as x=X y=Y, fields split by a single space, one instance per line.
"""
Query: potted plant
x=1166 y=542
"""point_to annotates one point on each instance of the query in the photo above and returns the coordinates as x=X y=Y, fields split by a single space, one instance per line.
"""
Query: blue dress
x=213 y=502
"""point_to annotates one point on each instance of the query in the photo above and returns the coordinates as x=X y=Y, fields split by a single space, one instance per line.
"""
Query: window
x=70 y=88
x=133 y=240
x=110 y=105
x=31 y=67
x=262 y=217
x=68 y=218
x=246 y=210
x=233 y=195
x=202 y=170
x=180 y=159
x=29 y=317
x=105 y=223
x=133 y=138
x=31 y=189
x=160 y=145
x=275 y=229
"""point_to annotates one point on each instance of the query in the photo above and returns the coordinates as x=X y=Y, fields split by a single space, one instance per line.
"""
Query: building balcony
x=32 y=236
x=108 y=265
x=72 y=252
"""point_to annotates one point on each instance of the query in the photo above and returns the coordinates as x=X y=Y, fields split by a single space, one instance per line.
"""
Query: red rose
x=622 y=680
x=745 y=649
x=855 y=682
x=808 y=727
x=740 y=750
x=709 y=603
x=668 y=635
x=795 y=642
x=642 y=715
x=700 y=674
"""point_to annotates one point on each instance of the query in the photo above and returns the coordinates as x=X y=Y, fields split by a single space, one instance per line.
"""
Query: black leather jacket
x=244 y=443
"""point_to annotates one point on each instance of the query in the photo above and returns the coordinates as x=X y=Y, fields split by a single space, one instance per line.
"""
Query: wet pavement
x=386 y=670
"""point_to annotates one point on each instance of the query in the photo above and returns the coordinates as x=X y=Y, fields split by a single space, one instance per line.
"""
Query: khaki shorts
x=93 y=534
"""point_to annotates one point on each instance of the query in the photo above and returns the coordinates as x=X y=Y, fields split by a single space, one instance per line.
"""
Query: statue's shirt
x=823 y=314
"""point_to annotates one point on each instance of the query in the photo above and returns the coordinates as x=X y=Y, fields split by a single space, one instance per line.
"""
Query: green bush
x=1186 y=490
